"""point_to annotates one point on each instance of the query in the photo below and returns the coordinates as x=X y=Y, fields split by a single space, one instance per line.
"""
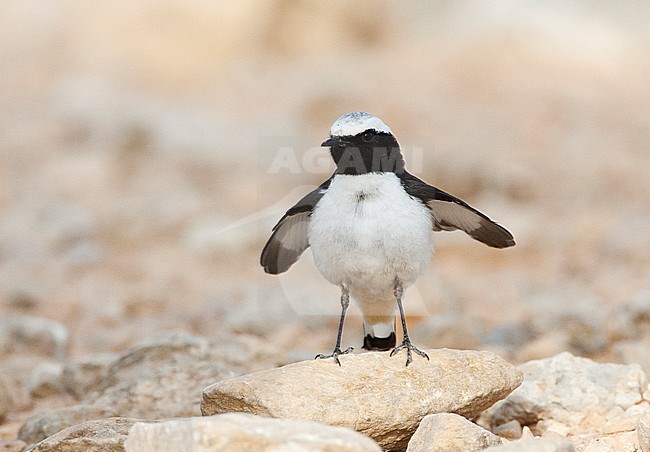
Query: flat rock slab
x=244 y=432
x=372 y=393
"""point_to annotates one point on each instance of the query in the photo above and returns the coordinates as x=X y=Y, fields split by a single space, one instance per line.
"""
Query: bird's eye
x=368 y=136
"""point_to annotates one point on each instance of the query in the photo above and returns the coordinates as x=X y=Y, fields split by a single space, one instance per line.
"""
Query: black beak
x=331 y=141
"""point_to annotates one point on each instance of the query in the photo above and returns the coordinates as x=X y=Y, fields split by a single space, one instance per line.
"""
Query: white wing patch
x=448 y=215
x=293 y=232
x=288 y=242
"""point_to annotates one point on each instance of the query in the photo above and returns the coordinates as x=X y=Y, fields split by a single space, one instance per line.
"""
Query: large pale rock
x=163 y=377
x=238 y=356
x=168 y=391
x=46 y=423
x=150 y=355
x=534 y=445
x=244 y=432
x=447 y=432
x=372 y=393
x=102 y=435
x=569 y=395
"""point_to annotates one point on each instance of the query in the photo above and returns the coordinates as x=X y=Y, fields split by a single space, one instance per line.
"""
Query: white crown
x=356 y=123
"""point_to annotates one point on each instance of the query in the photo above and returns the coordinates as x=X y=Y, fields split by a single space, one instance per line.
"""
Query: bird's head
x=361 y=143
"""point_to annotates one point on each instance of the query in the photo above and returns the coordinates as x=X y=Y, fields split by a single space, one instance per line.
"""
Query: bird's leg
x=406 y=342
x=345 y=302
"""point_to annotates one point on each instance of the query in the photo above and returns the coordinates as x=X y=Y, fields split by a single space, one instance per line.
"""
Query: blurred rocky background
x=147 y=148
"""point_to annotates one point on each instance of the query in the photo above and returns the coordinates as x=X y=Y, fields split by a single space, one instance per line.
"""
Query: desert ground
x=147 y=149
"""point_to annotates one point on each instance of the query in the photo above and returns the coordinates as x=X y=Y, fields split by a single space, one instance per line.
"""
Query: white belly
x=366 y=231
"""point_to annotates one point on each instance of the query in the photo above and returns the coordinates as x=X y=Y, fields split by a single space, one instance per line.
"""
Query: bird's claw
x=406 y=344
x=335 y=354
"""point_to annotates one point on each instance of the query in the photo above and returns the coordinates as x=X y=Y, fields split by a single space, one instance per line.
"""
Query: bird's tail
x=379 y=332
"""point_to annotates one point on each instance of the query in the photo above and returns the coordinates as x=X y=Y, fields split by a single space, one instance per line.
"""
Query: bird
x=370 y=227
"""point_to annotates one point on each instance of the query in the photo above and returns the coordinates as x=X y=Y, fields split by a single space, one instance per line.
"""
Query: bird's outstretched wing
x=289 y=239
x=449 y=213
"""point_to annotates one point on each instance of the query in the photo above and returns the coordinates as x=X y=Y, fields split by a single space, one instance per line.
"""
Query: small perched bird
x=369 y=227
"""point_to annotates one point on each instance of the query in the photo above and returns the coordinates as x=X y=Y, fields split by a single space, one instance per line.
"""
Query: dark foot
x=409 y=347
x=335 y=354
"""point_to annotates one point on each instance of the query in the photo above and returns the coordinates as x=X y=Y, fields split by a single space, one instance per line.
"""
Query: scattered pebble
x=449 y=432
x=102 y=435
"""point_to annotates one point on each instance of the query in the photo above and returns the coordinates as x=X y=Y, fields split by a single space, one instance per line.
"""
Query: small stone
x=585 y=329
x=23 y=300
x=546 y=345
x=46 y=423
x=643 y=433
x=46 y=380
x=593 y=421
x=510 y=430
x=102 y=435
x=240 y=431
x=551 y=434
x=33 y=336
x=636 y=351
x=548 y=426
x=618 y=442
x=595 y=446
x=534 y=445
x=83 y=375
x=15 y=371
x=245 y=353
x=373 y=393
x=450 y=432
x=620 y=424
x=452 y=330
x=526 y=432
x=5 y=401
x=13 y=446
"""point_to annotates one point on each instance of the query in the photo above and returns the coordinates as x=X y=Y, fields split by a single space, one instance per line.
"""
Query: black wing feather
x=449 y=213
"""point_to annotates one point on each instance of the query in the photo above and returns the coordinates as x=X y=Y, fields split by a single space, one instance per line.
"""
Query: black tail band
x=379 y=343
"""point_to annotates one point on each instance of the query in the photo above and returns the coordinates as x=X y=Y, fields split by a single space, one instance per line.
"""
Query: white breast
x=366 y=230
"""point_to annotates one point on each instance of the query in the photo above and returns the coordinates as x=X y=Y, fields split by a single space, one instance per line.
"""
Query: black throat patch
x=368 y=152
